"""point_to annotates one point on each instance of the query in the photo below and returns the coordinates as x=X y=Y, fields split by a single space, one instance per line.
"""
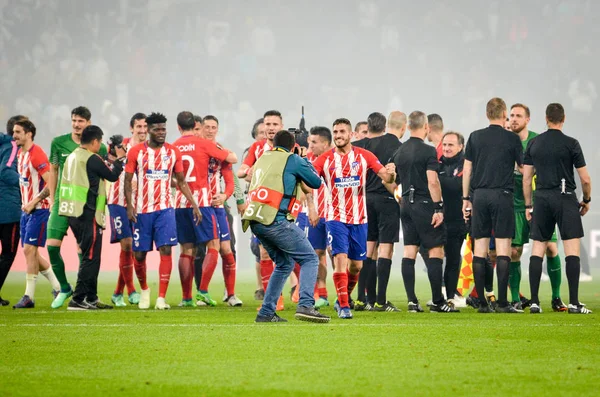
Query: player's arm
x=45 y=171
x=221 y=153
x=238 y=194
x=130 y=168
x=185 y=190
x=586 y=186
x=528 y=172
x=246 y=169
x=227 y=173
x=466 y=185
x=313 y=216
x=435 y=190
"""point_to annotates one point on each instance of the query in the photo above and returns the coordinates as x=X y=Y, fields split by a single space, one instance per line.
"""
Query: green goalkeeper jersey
x=62 y=146
x=518 y=193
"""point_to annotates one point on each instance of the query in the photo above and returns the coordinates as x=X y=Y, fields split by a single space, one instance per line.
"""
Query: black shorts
x=416 y=225
x=493 y=210
x=383 y=214
x=552 y=208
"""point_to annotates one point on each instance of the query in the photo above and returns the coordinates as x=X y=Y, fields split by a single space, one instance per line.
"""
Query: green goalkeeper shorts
x=522 y=231
x=57 y=224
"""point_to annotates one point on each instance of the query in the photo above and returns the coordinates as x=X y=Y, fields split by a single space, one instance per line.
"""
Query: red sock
x=266 y=269
x=352 y=280
x=229 y=270
x=120 y=282
x=164 y=274
x=297 y=271
x=140 y=271
x=341 y=285
x=186 y=273
x=208 y=268
x=126 y=270
x=322 y=292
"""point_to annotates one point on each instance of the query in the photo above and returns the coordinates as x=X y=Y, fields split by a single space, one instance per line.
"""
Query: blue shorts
x=302 y=222
x=347 y=239
x=224 y=232
x=317 y=236
x=33 y=228
x=120 y=227
x=189 y=232
x=156 y=227
x=255 y=247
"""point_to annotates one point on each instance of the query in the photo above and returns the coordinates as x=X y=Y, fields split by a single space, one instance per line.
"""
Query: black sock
x=435 y=273
x=362 y=279
x=384 y=267
x=479 y=265
x=502 y=267
x=535 y=275
x=573 y=268
x=372 y=284
x=408 y=276
x=489 y=275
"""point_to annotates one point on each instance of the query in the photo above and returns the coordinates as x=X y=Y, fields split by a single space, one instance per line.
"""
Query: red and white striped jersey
x=321 y=195
x=346 y=178
x=32 y=164
x=218 y=169
x=256 y=150
x=197 y=153
x=154 y=169
x=116 y=193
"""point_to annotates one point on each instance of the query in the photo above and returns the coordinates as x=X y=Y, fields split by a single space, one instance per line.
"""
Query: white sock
x=49 y=274
x=31 y=279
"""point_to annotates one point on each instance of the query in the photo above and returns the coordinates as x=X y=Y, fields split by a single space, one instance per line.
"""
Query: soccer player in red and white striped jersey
x=121 y=230
x=221 y=170
x=319 y=142
x=34 y=172
x=197 y=153
x=152 y=213
x=344 y=170
x=273 y=124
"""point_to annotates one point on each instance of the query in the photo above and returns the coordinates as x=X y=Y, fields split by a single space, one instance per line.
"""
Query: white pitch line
x=250 y=324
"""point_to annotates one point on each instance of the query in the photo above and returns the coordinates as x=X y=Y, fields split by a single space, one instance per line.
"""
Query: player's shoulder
x=138 y=147
x=361 y=143
x=61 y=139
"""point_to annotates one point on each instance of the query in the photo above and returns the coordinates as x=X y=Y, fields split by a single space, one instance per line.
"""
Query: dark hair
x=156 y=118
x=435 y=122
x=284 y=139
x=555 y=113
x=198 y=119
x=211 y=117
x=255 y=127
x=137 y=116
x=342 y=121
x=323 y=132
x=27 y=126
x=272 y=113
x=11 y=123
x=185 y=120
x=458 y=135
x=524 y=107
x=494 y=108
x=91 y=133
x=376 y=122
x=82 y=112
x=357 y=126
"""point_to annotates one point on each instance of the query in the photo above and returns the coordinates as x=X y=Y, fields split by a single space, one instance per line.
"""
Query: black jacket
x=450 y=173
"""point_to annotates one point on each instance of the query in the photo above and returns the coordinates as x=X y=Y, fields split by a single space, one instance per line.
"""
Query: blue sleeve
x=305 y=171
x=8 y=173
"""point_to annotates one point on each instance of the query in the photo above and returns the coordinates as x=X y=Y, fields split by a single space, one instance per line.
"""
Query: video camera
x=300 y=133
x=115 y=141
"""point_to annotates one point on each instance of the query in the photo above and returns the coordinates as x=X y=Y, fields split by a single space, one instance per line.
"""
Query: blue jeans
x=287 y=244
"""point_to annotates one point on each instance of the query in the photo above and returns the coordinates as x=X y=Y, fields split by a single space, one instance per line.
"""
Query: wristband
x=438 y=207
x=466 y=198
x=586 y=201
x=528 y=207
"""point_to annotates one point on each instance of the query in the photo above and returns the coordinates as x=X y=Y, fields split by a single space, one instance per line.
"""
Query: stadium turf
x=221 y=352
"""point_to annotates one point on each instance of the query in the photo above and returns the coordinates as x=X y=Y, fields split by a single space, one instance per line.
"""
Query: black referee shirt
x=554 y=154
x=493 y=152
x=383 y=147
x=413 y=159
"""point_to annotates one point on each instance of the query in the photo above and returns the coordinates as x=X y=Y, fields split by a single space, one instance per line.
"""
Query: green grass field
x=221 y=352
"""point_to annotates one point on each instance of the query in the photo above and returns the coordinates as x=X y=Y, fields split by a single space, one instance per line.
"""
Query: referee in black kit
x=490 y=158
x=422 y=212
x=383 y=213
x=553 y=155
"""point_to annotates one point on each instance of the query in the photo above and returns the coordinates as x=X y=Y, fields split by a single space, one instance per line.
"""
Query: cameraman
x=273 y=206
x=83 y=201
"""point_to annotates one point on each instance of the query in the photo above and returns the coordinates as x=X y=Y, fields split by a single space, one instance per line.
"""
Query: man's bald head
x=396 y=123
